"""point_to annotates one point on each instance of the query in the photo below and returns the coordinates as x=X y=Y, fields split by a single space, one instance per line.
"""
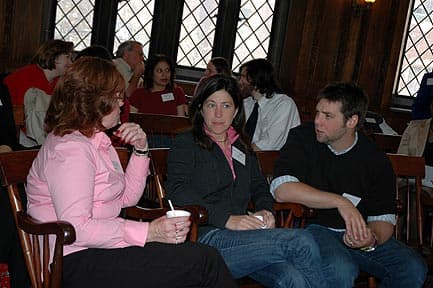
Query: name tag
x=238 y=155
x=429 y=81
x=116 y=166
x=1 y=104
x=352 y=198
x=167 y=97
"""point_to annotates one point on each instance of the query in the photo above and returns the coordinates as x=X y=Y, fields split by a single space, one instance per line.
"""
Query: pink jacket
x=80 y=180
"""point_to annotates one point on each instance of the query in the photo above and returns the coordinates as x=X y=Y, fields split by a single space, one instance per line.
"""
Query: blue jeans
x=273 y=257
x=393 y=263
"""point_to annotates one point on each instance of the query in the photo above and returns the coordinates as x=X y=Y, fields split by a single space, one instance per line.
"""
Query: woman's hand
x=244 y=222
x=132 y=133
x=268 y=218
x=168 y=230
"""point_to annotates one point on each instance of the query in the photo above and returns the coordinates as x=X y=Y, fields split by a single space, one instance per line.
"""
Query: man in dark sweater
x=332 y=167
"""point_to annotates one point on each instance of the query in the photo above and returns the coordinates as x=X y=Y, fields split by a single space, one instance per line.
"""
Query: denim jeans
x=393 y=263
x=273 y=257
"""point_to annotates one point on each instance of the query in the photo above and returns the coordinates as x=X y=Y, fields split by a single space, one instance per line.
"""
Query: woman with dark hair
x=77 y=177
x=213 y=166
x=160 y=95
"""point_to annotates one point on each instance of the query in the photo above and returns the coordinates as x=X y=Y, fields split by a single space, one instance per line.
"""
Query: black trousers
x=154 y=265
x=10 y=248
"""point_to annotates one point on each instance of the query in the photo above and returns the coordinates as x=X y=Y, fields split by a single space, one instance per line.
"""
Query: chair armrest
x=63 y=230
x=198 y=214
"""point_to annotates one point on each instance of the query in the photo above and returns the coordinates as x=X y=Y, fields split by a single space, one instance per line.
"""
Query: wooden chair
x=156 y=179
x=286 y=213
x=19 y=117
x=160 y=127
x=408 y=169
x=14 y=167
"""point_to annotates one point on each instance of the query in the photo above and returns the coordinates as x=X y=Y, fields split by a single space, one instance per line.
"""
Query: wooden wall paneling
x=399 y=19
x=24 y=34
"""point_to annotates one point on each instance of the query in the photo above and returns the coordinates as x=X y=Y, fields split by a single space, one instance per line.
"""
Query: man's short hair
x=352 y=97
x=46 y=55
x=126 y=46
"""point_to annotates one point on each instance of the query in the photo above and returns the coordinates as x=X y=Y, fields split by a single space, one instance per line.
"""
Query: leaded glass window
x=74 y=20
x=417 y=57
x=197 y=32
x=134 y=22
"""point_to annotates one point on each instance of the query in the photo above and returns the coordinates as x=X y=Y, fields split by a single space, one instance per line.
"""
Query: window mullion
x=225 y=33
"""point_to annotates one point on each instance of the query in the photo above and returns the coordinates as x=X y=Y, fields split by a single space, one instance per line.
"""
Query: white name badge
x=352 y=198
x=429 y=81
x=117 y=166
x=238 y=155
x=167 y=97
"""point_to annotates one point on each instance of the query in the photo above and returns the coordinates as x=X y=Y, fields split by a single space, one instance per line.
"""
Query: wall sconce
x=358 y=5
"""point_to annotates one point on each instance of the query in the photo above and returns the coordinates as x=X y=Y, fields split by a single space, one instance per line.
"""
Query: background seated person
x=417 y=140
x=130 y=63
x=33 y=86
x=217 y=65
x=213 y=166
x=333 y=168
x=160 y=95
x=77 y=177
x=270 y=113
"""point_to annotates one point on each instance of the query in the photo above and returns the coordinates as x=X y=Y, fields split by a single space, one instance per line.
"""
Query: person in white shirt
x=277 y=112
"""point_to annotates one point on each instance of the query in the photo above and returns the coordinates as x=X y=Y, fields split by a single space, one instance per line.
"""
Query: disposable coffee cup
x=177 y=213
x=260 y=217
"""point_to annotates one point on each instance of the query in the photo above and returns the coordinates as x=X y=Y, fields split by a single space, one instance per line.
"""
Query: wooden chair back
x=14 y=167
x=158 y=166
x=159 y=126
x=408 y=170
x=286 y=212
x=156 y=179
x=19 y=116
x=387 y=143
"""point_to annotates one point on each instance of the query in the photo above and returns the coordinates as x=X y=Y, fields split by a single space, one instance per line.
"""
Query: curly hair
x=83 y=96
x=209 y=86
x=150 y=66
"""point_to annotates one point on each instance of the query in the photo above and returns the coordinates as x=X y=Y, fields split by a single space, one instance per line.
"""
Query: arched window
x=417 y=52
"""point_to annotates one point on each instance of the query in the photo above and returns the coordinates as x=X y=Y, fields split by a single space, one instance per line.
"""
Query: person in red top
x=33 y=84
x=49 y=62
x=160 y=95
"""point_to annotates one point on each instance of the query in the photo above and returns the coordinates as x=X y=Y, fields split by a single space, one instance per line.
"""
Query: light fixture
x=358 y=5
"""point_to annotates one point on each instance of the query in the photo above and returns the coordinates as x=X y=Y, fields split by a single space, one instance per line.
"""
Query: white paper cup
x=260 y=217
x=177 y=213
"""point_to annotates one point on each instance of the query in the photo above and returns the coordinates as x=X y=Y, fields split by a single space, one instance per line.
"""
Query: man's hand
x=356 y=228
